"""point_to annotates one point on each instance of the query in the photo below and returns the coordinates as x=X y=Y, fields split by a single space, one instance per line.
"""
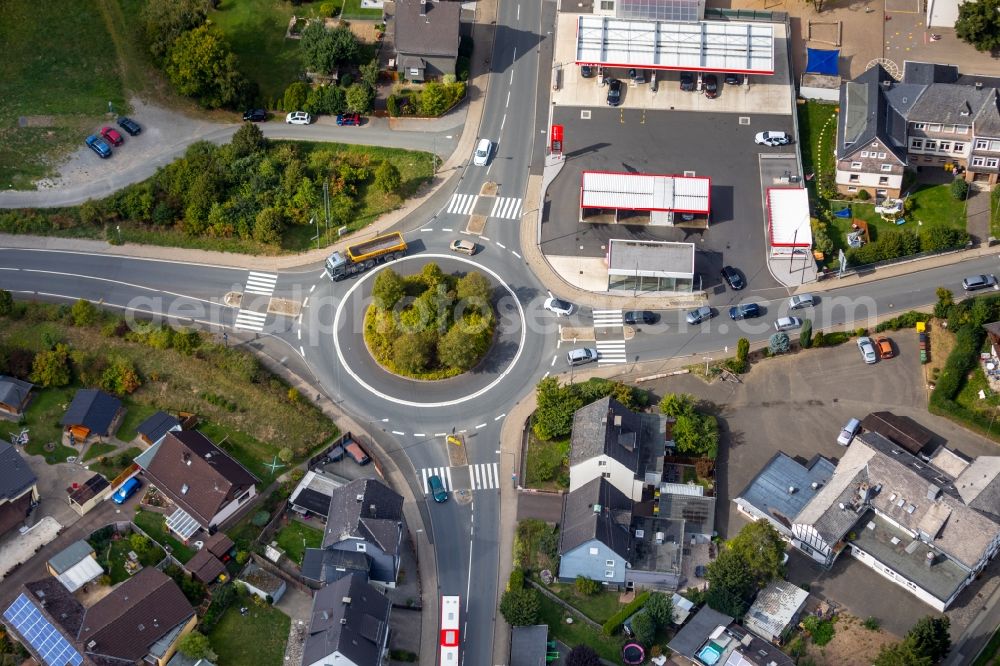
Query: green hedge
x=614 y=623
x=905 y=320
x=960 y=362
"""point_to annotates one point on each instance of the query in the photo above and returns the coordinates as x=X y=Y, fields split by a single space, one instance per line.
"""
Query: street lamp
x=707 y=360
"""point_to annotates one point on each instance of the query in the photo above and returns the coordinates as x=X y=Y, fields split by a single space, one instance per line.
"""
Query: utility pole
x=326 y=206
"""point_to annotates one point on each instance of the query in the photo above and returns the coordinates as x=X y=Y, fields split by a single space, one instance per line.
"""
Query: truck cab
x=336 y=266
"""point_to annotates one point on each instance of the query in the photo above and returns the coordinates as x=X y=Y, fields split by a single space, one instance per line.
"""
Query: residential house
x=18 y=488
x=208 y=564
x=775 y=611
x=92 y=413
x=156 y=426
x=206 y=484
x=349 y=625
x=365 y=524
x=427 y=38
x=529 y=645
x=311 y=497
x=902 y=516
x=89 y=494
x=14 y=396
x=610 y=441
x=934 y=117
x=711 y=637
x=140 y=622
x=781 y=490
x=75 y=565
x=594 y=537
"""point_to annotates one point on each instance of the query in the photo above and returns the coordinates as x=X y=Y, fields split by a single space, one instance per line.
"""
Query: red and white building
x=610 y=197
x=788 y=228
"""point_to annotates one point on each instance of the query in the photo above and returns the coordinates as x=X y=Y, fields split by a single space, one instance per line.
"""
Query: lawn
x=598 y=607
x=295 y=537
x=255 y=31
x=136 y=414
x=253 y=454
x=97 y=450
x=353 y=10
x=968 y=397
x=154 y=524
x=42 y=421
x=546 y=468
x=577 y=633
x=817 y=133
x=988 y=657
x=995 y=213
x=113 y=560
x=257 y=639
x=116 y=464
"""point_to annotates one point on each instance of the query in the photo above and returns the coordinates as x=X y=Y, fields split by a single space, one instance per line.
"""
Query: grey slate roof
x=70 y=556
x=774 y=609
x=365 y=614
x=949 y=104
x=867 y=115
x=528 y=645
x=768 y=491
x=979 y=485
x=15 y=475
x=435 y=34
x=92 y=409
x=328 y=565
x=698 y=628
x=987 y=123
x=366 y=509
x=60 y=604
x=595 y=433
x=13 y=391
x=157 y=425
x=581 y=523
x=925 y=73
x=314 y=501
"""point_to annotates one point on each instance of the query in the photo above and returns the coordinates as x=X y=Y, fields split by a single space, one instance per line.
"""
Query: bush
x=820 y=631
x=905 y=320
x=516 y=579
x=84 y=313
x=520 y=607
x=120 y=377
x=779 y=343
x=872 y=623
x=587 y=586
x=863 y=195
x=614 y=622
x=945 y=299
x=805 y=336
x=6 y=303
x=328 y=9
x=392 y=106
x=51 y=368
x=959 y=188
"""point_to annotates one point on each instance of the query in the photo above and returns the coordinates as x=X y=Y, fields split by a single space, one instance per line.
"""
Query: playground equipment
x=633 y=653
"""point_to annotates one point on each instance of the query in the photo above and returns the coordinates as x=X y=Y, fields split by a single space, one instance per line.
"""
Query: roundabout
x=354 y=358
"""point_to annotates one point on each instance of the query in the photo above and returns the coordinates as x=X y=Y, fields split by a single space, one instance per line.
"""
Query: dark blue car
x=99 y=146
x=745 y=311
x=126 y=490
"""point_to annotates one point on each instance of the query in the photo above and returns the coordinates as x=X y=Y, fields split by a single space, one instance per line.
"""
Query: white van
x=848 y=432
x=482 y=155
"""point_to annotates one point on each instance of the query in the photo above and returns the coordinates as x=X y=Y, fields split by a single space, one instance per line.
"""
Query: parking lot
x=797 y=404
x=667 y=142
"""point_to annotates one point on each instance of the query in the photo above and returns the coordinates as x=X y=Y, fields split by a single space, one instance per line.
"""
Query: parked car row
x=752 y=310
x=300 y=117
x=108 y=136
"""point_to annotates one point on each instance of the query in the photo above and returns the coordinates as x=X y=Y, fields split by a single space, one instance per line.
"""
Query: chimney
x=186 y=457
x=346 y=601
x=597 y=508
x=423 y=7
x=359 y=498
x=791 y=490
x=979 y=85
x=618 y=420
x=371 y=510
x=343 y=620
x=814 y=485
x=929 y=559
x=91 y=645
x=326 y=615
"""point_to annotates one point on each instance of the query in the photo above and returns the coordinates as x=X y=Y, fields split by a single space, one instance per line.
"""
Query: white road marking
x=300 y=333
x=261 y=283
x=462 y=204
x=250 y=320
x=553 y=360
x=507 y=208
x=396 y=432
x=611 y=351
x=515 y=254
x=448 y=230
x=427 y=229
x=419 y=434
x=440 y=434
x=497 y=418
x=608 y=318
x=312 y=289
x=302 y=352
x=481 y=425
x=305 y=303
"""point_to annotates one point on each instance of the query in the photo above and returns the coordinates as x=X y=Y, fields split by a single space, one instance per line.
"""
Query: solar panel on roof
x=50 y=645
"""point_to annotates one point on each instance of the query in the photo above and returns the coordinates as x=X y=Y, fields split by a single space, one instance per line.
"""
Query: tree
x=325 y=99
x=556 y=404
x=520 y=607
x=644 y=628
x=196 y=646
x=929 y=637
x=51 y=368
x=583 y=655
x=120 y=377
x=369 y=74
x=458 y=349
x=6 y=303
x=268 y=226
x=475 y=290
x=730 y=584
x=83 y=313
x=677 y=404
x=345 y=44
x=295 y=97
x=900 y=654
x=979 y=24
x=661 y=608
x=779 y=343
x=697 y=434
x=945 y=299
x=805 y=335
x=387 y=178
x=359 y=98
x=249 y=139
x=163 y=21
x=959 y=189
x=433 y=100
x=411 y=352
x=760 y=546
x=201 y=65
x=432 y=275
x=388 y=289
x=318 y=51
x=285 y=455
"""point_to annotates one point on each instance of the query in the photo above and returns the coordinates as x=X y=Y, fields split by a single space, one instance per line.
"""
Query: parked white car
x=867 y=349
x=799 y=301
x=848 y=432
x=772 y=139
x=298 y=118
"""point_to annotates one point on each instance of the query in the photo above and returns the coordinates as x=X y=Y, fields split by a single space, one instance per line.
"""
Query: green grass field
x=42 y=421
x=598 y=607
x=353 y=10
x=97 y=450
x=577 y=633
x=257 y=639
x=154 y=524
x=116 y=464
x=295 y=537
x=255 y=31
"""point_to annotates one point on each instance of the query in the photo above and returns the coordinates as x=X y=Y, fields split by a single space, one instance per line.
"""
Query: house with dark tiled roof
x=349 y=625
x=594 y=537
x=18 y=488
x=85 y=496
x=206 y=484
x=611 y=441
x=365 y=524
x=156 y=426
x=934 y=117
x=208 y=564
x=92 y=413
x=427 y=37
x=14 y=396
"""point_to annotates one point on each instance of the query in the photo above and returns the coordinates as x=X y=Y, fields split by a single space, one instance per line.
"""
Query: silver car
x=581 y=356
x=867 y=349
x=558 y=307
x=800 y=301
x=787 y=323
x=703 y=313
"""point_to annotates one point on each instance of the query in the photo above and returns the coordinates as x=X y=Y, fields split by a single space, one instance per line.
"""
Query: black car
x=745 y=311
x=687 y=82
x=129 y=125
x=711 y=85
x=640 y=317
x=632 y=74
x=614 y=92
x=733 y=79
x=586 y=71
x=733 y=278
x=255 y=115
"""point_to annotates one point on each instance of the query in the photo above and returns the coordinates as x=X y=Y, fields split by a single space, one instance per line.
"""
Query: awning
x=182 y=524
x=652 y=192
x=788 y=218
x=80 y=574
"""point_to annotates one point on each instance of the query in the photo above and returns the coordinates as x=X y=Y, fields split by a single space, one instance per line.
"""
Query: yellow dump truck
x=360 y=257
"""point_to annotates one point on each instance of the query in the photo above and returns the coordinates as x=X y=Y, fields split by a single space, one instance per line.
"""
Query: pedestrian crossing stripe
x=603 y=318
x=611 y=351
x=462 y=204
x=444 y=473
x=250 y=320
x=485 y=476
x=507 y=208
x=261 y=283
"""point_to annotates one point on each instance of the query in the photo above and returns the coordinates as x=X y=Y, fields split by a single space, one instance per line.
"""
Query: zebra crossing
x=462 y=204
x=608 y=318
x=507 y=208
x=482 y=476
x=260 y=283
x=485 y=476
x=250 y=320
x=443 y=472
x=611 y=351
